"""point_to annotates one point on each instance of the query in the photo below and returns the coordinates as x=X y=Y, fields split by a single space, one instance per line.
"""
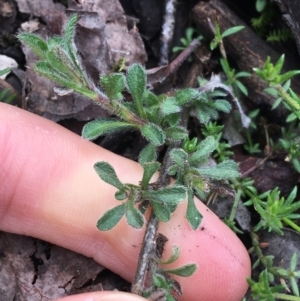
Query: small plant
x=279 y=85
x=190 y=34
x=160 y=121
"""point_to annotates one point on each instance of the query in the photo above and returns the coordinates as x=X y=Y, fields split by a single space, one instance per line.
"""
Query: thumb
x=104 y=296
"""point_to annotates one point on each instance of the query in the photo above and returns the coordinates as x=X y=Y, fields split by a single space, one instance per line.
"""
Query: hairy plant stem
x=292 y=102
x=115 y=107
x=146 y=256
x=285 y=297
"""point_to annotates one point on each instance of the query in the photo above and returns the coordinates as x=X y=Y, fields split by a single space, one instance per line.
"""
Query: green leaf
x=133 y=216
x=169 y=195
x=4 y=71
x=179 y=156
x=174 y=256
x=169 y=106
x=204 y=149
x=232 y=30
x=227 y=169
x=107 y=173
x=105 y=126
x=184 y=271
x=149 y=170
x=161 y=211
x=153 y=133
x=111 y=218
x=242 y=87
x=184 y=96
x=176 y=133
x=121 y=195
x=136 y=81
x=35 y=43
x=222 y=105
x=260 y=5
x=193 y=216
x=148 y=154
x=113 y=84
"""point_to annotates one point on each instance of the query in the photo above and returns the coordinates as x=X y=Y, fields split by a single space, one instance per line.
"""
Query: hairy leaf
x=148 y=154
x=176 y=133
x=204 y=149
x=161 y=211
x=113 y=84
x=153 y=133
x=169 y=195
x=111 y=218
x=184 y=96
x=227 y=169
x=136 y=81
x=174 y=255
x=133 y=216
x=179 y=156
x=35 y=43
x=184 y=271
x=193 y=216
x=149 y=170
x=170 y=106
x=107 y=173
x=105 y=126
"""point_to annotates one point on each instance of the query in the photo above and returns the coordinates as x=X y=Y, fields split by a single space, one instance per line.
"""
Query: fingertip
x=104 y=296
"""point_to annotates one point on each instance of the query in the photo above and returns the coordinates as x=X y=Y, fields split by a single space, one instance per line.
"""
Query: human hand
x=49 y=190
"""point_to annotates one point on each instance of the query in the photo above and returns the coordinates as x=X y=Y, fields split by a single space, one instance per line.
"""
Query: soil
x=109 y=31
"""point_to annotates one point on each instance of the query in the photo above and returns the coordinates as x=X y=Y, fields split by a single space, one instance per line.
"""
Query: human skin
x=49 y=190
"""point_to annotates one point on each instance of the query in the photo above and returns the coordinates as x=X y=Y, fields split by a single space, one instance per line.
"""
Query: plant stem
x=294 y=104
x=147 y=250
x=235 y=205
x=291 y=224
x=286 y=297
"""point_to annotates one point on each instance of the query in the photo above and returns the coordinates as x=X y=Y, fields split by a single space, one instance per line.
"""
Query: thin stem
x=286 y=297
x=147 y=251
x=291 y=224
x=294 y=104
x=235 y=205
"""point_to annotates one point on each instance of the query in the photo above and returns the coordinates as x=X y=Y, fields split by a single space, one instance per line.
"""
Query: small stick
x=167 y=32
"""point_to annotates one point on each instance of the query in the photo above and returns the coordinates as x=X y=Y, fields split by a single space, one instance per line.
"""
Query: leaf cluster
x=274 y=210
x=190 y=34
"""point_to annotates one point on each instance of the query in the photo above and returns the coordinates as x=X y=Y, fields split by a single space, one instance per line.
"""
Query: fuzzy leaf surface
x=227 y=169
x=161 y=211
x=113 y=84
x=153 y=133
x=184 y=96
x=148 y=154
x=176 y=133
x=179 y=156
x=174 y=255
x=170 y=106
x=149 y=170
x=133 y=216
x=111 y=218
x=204 y=149
x=136 y=81
x=193 y=216
x=105 y=126
x=35 y=43
x=184 y=271
x=169 y=195
x=107 y=173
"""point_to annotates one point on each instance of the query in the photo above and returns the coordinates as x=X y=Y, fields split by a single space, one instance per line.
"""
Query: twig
x=167 y=32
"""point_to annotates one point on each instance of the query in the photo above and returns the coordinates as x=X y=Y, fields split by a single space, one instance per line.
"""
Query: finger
x=104 y=296
x=50 y=190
